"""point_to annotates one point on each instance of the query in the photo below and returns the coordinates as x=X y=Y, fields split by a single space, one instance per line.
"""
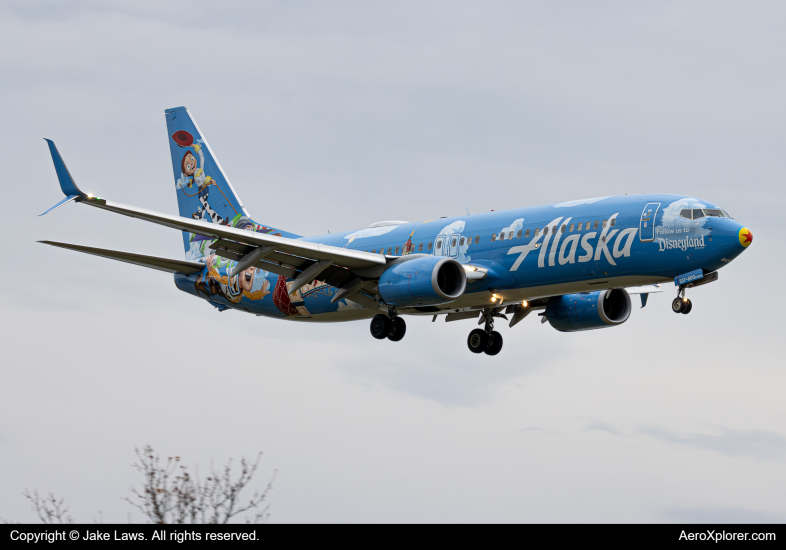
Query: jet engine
x=426 y=281
x=589 y=310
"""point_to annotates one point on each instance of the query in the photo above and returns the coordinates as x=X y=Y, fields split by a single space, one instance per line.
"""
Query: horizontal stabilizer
x=153 y=262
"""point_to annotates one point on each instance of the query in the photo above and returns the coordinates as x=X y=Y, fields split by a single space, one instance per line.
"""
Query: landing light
x=524 y=303
x=89 y=195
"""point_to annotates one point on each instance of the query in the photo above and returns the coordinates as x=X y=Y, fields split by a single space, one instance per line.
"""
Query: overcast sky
x=334 y=115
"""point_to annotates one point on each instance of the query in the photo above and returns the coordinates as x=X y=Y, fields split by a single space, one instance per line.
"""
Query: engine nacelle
x=587 y=311
x=427 y=281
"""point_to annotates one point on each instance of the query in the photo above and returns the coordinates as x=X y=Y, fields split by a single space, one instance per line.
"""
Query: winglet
x=63 y=175
x=61 y=203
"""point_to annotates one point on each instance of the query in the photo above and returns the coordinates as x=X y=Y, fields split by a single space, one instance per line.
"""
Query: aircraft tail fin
x=203 y=189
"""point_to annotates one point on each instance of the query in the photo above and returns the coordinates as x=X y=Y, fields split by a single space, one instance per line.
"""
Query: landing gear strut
x=389 y=326
x=486 y=340
x=681 y=304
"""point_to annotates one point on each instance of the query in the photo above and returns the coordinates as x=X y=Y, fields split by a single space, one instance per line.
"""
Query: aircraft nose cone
x=745 y=237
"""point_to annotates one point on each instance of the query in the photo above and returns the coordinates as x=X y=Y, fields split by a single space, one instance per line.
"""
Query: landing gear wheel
x=380 y=326
x=398 y=329
x=677 y=305
x=494 y=343
x=477 y=340
x=687 y=306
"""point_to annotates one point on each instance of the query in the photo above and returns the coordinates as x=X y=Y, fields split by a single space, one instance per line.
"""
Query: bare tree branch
x=49 y=509
x=170 y=494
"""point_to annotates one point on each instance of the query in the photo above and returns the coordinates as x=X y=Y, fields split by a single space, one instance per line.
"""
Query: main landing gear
x=486 y=340
x=681 y=304
x=389 y=326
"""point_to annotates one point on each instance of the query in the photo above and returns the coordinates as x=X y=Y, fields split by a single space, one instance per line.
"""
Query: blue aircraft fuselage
x=555 y=249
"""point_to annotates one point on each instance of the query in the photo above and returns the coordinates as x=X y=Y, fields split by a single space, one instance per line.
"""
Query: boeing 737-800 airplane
x=576 y=262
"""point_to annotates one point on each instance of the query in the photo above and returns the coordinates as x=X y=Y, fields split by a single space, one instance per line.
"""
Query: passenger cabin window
x=711 y=212
x=396 y=251
x=493 y=237
x=374 y=251
x=502 y=236
x=518 y=235
x=430 y=245
x=697 y=213
x=439 y=245
x=571 y=227
x=604 y=222
x=596 y=224
x=564 y=228
x=390 y=252
x=420 y=247
x=526 y=235
x=537 y=231
x=588 y=226
x=462 y=241
x=613 y=222
x=686 y=214
x=477 y=239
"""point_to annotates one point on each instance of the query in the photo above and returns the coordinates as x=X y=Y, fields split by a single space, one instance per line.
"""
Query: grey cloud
x=603 y=427
x=759 y=444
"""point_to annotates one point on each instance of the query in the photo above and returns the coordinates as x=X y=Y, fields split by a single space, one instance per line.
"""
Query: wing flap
x=153 y=262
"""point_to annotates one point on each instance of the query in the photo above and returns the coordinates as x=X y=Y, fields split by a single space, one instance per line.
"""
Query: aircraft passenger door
x=439 y=246
x=647 y=223
x=453 y=245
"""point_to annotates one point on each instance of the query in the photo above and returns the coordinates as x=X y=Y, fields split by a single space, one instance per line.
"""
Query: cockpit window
x=727 y=214
x=697 y=213
x=714 y=212
x=686 y=214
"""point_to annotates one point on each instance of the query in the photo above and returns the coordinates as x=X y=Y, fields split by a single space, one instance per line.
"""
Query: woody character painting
x=193 y=179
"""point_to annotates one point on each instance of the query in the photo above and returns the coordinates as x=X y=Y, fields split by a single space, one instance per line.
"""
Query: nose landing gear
x=681 y=304
x=486 y=340
x=389 y=326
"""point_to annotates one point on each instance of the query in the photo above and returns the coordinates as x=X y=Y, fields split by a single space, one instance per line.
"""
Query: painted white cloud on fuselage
x=371 y=232
x=677 y=225
x=445 y=236
x=579 y=202
x=513 y=227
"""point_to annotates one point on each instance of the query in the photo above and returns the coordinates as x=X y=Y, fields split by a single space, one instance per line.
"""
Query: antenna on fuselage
x=467 y=209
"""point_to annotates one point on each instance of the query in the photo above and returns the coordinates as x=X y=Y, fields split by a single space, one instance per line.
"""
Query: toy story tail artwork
x=194 y=181
x=204 y=193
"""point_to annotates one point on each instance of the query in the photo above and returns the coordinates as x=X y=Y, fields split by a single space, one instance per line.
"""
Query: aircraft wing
x=646 y=289
x=293 y=258
x=353 y=259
